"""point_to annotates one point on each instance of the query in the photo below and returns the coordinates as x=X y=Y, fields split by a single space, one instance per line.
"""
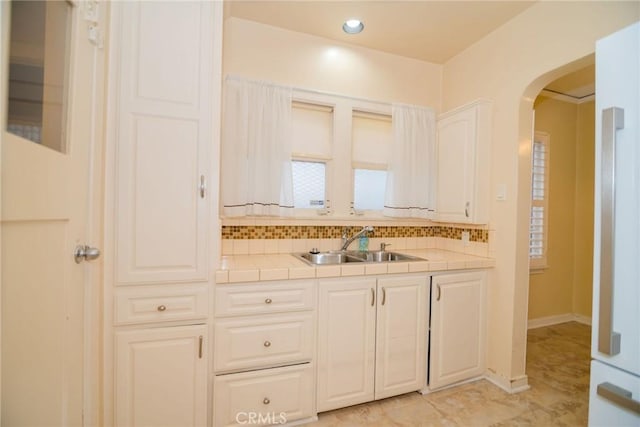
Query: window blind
x=539 y=202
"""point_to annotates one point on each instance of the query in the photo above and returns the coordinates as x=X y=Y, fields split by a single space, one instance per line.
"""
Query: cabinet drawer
x=263 y=341
x=234 y=300
x=143 y=304
x=270 y=396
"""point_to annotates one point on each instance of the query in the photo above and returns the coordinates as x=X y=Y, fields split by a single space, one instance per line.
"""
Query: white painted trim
x=558 y=319
x=567 y=98
x=427 y=390
x=582 y=319
x=515 y=385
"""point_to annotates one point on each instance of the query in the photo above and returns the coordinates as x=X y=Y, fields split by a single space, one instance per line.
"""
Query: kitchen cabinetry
x=458 y=328
x=463 y=145
x=372 y=339
x=264 y=352
x=164 y=95
x=164 y=120
x=161 y=377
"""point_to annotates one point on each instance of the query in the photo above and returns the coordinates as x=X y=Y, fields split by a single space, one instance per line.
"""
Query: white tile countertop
x=253 y=268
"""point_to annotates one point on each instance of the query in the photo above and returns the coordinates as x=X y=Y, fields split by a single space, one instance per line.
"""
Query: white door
x=401 y=336
x=346 y=346
x=457 y=348
x=46 y=194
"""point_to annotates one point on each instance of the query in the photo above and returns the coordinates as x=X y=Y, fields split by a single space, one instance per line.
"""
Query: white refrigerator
x=614 y=398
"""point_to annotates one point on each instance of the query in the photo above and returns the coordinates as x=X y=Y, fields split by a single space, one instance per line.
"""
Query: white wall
x=263 y=52
x=511 y=65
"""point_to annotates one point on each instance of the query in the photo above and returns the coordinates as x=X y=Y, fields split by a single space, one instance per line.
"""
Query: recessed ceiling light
x=352 y=26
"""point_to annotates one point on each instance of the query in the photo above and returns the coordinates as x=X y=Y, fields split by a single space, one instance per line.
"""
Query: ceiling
x=432 y=31
x=579 y=85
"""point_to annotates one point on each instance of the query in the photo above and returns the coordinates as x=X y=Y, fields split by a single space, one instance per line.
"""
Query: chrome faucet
x=346 y=241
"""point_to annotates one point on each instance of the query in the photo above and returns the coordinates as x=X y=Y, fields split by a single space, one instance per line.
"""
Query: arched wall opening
x=511 y=66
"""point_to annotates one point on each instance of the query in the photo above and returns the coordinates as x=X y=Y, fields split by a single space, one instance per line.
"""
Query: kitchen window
x=539 y=219
x=309 y=185
x=312 y=150
x=368 y=189
x=371 y=136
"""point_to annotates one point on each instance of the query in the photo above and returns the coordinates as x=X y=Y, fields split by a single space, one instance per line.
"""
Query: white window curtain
x=410 y=190
x=256 y=174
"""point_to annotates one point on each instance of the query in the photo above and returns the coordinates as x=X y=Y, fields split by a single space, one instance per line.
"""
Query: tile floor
x=558 y=370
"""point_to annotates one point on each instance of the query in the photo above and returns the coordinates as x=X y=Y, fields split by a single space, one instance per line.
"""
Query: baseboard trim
x=427 y=390
x=557 y=319
x=582 y=319
x=512 y=386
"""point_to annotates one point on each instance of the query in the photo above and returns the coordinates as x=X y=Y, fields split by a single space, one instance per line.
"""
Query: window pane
x=536 y=232
x=308 y=185
x=368 y=189
x=38 y=66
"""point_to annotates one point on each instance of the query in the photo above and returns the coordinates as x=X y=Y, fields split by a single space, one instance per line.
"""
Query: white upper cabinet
x=163 y=112
x=464 y=139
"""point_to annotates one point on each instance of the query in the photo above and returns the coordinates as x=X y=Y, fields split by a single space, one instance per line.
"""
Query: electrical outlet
x=465 y=238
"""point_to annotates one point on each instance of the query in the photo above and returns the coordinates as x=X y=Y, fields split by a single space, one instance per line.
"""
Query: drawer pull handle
x=267 y=343
x=266 y=401
x=162 y=308
x=268 y=301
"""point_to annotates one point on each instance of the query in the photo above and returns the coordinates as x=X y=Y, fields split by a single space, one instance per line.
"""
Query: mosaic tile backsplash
x=335 y=232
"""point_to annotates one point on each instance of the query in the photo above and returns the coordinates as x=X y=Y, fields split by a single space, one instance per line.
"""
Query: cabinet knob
x=266 y=401
x=267 y=343
x=162 y=308
x=268 y=301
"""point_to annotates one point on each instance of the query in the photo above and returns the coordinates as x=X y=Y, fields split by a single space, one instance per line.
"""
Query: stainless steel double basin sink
x=343 y=257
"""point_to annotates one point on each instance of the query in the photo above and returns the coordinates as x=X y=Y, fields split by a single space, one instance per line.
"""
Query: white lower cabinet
x=264 y=397
x=257 y=341
x=161 y=376
x=264 y=362
x=458 y=328
x=372 y=339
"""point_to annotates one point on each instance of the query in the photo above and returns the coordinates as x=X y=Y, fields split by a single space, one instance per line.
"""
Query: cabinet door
x=163 y=117
x=457 y=341
x=464 y=146
x=161 y=377
x=456 y=144
x=346 y=349
x=401 y=336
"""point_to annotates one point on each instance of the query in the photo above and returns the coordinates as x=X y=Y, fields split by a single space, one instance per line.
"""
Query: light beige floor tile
x=558 y=370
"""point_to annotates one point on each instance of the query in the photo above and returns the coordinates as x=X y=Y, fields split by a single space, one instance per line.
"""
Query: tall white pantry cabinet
x=161 y=205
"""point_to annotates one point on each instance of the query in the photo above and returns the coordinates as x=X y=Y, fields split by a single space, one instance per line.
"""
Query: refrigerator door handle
x=608 y=340
x=619 y=396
